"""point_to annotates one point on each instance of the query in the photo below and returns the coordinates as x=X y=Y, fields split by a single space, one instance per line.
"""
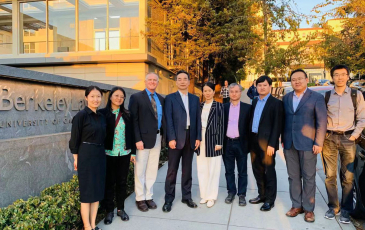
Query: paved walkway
x=223 y=216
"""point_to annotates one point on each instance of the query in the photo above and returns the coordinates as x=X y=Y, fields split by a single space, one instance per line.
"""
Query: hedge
x=57 y=207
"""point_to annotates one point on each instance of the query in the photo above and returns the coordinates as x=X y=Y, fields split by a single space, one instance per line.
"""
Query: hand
x=270 y=151
x=133 y=159
x=197 y=144
x=317 y=149
x=172 y=144
x=75 y=161
x=139 y=145
x=218 y=147
x=352 y=138
x=282 y=145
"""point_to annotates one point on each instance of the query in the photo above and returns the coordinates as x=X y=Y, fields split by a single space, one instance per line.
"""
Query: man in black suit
x=266 y=124
x=148 y=121
x=236 y=121
x=183 y=122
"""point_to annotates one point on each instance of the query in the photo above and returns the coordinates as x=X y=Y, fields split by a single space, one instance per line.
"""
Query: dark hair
x=336 y=67
x=182 y=71
x=298 y=70
x=91 y=88
x=122 y=109
x=210 y=85
x=264 y=78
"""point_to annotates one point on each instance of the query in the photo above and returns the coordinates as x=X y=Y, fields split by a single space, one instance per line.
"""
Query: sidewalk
x=223 y=216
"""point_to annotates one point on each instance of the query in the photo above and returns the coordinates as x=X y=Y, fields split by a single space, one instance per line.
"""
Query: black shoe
x=242 y=200
x=109 y=218
x=229 y=198
x=166 y=207
x=123 y=215
x=151 y=204
x=190 y=203
x=256 y=200
x=97 y=228
x=266 y=207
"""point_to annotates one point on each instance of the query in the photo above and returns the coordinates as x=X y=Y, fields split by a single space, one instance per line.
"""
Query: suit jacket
x=271 y=122
x=243 y=125
x=176 y=119
x=110 y=130
x=307 y=125
x=214 y=130
x=145 y=123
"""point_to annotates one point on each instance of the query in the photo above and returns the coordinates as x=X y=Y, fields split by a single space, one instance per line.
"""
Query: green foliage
x=57 y=207
x=311 y=84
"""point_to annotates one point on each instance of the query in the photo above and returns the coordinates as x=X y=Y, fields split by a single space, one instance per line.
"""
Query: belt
x=187 y=128
x=233 y=139
x=92 y=143
x=340 y=132
x=158 y=131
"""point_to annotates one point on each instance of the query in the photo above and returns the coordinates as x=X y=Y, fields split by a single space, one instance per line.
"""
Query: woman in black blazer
x=210 y=151
x=119 y=146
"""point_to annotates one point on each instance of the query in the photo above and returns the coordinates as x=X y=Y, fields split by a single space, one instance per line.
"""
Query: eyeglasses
x=341 y=75
x=297 y=79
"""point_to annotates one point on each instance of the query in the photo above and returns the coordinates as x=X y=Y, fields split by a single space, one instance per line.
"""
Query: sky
x=306 y=6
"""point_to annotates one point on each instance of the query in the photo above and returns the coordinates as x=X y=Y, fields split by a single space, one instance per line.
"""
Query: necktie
x=153 y=102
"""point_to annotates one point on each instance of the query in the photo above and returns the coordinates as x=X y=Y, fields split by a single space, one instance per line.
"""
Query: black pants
x=186 y=154
x=116 y=176
x=233 y=154
x=334 y=145
x=263 y=167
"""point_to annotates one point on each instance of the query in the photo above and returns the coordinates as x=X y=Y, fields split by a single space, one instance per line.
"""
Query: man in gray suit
x=304 y=132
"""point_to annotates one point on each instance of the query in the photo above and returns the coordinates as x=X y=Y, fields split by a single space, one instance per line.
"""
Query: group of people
x=104 y=141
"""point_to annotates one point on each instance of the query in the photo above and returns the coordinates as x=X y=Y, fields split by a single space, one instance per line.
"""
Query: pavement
x=224 y=216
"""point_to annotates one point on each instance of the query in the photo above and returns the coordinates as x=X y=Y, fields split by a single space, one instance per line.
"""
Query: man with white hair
x=146 y=108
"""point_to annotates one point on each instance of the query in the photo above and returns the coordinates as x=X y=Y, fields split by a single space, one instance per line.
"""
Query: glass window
x=61 y=29
x=92 y=25
x=33 y=27
x=6 y=34
x=123 y=24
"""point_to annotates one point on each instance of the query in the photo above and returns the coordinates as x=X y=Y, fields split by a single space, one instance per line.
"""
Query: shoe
x=202 y=201
x=229 y=198
x=97 y=228
x=266 y=207
x=109 y=218
x=123 y=215
x=210 y=203
x=293 y=212
x=330 y=214
x=256 y=200
x=151 y=204
x=344 y=217
x=166 y=207
x=142 y=206
x=190 y=203
x=309 y=217
x=242 y=200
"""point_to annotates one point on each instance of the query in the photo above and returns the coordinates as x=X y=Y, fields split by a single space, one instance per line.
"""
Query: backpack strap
x=327 y=97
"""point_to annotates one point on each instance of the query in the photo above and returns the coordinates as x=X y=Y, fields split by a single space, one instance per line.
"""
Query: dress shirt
x=234 y=115
x=158 y=105
x=258 y=111
x=185 y=99
x=340 y=112
x=296 y=99
x=225 y=92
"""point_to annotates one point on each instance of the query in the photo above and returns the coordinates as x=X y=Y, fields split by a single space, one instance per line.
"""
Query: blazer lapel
x=179 y=99
x=148 y=102
x=305 y=97
x=267 y=105
x=211 y=112
x=290 y=98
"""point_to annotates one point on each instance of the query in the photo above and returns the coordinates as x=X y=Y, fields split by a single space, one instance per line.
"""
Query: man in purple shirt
x=235 y=147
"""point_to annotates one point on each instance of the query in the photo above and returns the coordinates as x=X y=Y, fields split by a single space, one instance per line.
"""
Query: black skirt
x=91 y=167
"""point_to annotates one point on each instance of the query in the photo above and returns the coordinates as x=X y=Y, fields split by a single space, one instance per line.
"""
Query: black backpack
x=361 y=139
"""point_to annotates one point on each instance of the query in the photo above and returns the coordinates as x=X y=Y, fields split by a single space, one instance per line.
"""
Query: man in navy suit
x=182 y=112
x=305 y=128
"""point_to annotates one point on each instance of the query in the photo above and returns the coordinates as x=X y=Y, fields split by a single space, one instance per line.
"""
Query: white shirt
x=205 y=114
x=185 y=99
x=296 y=99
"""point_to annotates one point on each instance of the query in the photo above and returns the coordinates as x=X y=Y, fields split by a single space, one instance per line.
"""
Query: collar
x=265 y=98
x=235 y=106
x=183 y=95
x=89 y=111
x=149 y=92
x=347 y=90
x=116 y=111
x=301 y=94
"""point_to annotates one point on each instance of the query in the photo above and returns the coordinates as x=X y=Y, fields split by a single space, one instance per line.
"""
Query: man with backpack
x=345 y=122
